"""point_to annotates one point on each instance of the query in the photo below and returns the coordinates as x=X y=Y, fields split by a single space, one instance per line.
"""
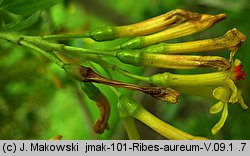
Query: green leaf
x=23 y=24
x=26 y=7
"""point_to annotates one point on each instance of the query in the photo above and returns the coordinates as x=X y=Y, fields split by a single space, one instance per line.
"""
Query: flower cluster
x=147 y=47
x=142 y=50
x=228 y=94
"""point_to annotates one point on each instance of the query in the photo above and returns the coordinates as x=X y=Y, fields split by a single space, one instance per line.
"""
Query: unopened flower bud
x=184 y=29
x=146 y=27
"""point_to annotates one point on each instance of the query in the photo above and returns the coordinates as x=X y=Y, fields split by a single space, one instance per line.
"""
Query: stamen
x=239 y=73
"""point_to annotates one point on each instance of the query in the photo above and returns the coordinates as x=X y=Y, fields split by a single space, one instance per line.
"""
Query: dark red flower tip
x=239 y=73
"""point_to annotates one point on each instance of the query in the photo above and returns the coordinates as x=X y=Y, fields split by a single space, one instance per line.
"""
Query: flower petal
x=220 y=124
x=237 y=62
x=216 y=108
x=241 y=101
x=222 y=93
x=234 y=96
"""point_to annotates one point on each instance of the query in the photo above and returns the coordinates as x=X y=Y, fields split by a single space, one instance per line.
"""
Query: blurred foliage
x=38 y=100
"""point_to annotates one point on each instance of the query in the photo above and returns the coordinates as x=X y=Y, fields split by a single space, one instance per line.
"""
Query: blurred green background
x=38 y=100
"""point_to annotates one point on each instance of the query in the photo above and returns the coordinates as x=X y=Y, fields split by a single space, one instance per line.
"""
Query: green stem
x=130 y=75
x=131 y=128
x=48 y=55
x=89 y=51
x=49 y=46
x=106 y=64
x=10 y=37
x=129 y=123
x=20 y=40
x=66 y=36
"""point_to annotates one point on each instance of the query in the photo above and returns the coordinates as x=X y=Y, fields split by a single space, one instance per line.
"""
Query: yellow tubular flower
x=218 y=85
x=139 y=58
x=215 y=79
x=231 y=40
x=146 y=27
x=183 y=29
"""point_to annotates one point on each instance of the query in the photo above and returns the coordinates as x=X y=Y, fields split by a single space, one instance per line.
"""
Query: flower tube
x=184 y=29
x=137 y=111
x=139 y=58
x=146 y=27
x=231 y=40
x=221 y=78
